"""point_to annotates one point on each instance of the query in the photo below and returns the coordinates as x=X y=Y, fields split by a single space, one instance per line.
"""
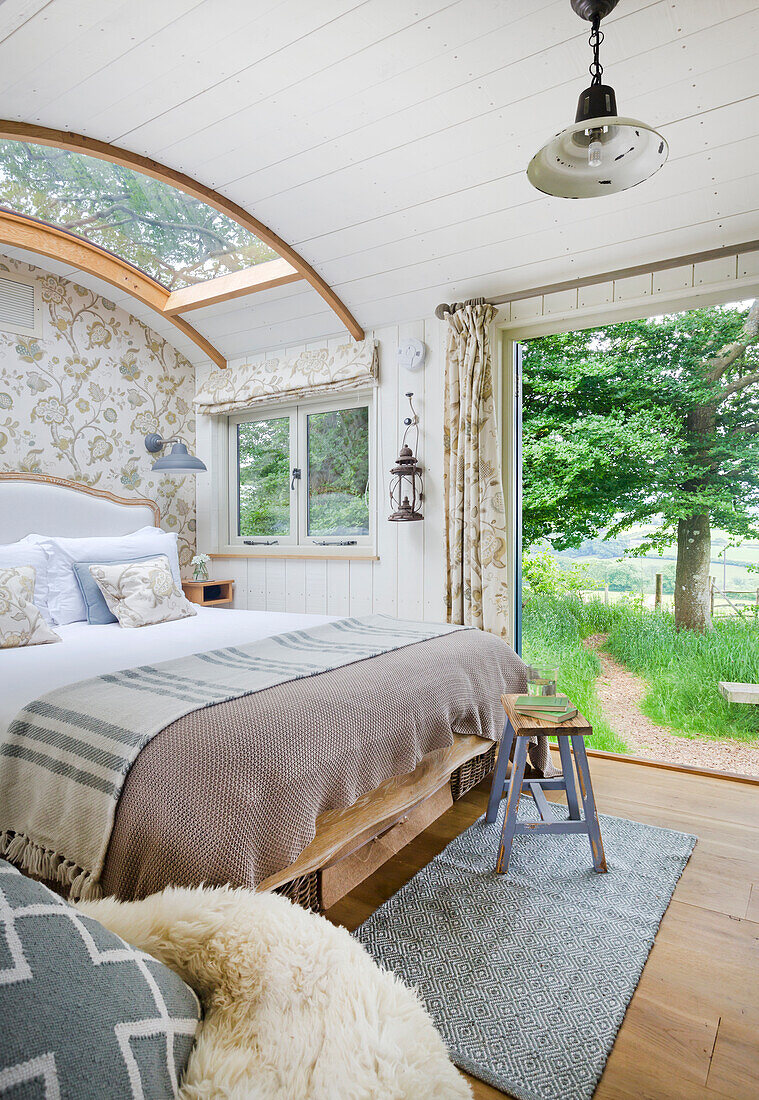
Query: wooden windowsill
x=302 y=553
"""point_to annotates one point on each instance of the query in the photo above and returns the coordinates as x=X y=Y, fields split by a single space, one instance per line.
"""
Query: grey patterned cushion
x=84 y=1015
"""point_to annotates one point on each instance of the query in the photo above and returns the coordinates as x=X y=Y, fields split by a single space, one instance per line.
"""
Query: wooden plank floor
x=692 y=1029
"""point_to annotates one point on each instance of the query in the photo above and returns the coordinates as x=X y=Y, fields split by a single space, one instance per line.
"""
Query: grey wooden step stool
x=571 y=737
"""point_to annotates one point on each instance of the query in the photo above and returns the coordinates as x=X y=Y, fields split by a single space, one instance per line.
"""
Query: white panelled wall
x=729 y=278
x=407 y=577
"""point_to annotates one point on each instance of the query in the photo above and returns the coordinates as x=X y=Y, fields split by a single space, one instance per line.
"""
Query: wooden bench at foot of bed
x=351 y=844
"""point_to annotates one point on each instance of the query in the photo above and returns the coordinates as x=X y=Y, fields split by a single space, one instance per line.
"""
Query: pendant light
x=602 y=152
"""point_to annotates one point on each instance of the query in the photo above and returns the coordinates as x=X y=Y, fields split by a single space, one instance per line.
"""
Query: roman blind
x=350 y=366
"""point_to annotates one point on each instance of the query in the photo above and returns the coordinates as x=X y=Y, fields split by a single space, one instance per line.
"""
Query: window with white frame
x=301 y=474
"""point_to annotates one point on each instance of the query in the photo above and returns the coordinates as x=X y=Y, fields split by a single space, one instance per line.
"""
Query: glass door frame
x=510 y=385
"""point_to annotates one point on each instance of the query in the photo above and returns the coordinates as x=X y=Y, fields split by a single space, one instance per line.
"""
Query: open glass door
x=517 y=495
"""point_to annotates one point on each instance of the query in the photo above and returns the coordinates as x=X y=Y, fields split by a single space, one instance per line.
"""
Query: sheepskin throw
x=82 y=1014
x=293 y=1006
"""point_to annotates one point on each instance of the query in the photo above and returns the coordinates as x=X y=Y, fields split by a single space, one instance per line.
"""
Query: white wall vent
x=20 y=305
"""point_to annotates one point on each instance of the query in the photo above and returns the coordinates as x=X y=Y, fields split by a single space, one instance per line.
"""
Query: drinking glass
x=541 y=680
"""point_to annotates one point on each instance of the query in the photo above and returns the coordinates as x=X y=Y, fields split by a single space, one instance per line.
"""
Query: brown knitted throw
x=231 y=793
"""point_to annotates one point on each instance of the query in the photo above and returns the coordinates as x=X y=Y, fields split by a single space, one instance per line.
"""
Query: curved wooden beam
x=78 y=143
x=46 y=240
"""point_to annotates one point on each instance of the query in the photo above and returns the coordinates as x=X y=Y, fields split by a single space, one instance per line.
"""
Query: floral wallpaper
x=77 y=402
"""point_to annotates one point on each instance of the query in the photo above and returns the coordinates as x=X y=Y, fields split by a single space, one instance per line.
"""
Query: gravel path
x=620 y=693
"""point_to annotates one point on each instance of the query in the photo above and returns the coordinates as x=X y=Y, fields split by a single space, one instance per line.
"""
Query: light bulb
x=594 y=150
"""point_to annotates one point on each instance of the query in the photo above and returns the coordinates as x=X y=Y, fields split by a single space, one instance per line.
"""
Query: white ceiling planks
x=373 y=82
x=387 y=140
x=169 y=63
x=332 y=45
x=61 y=46
x=417 y=124
x=709 y=172
x=493 y=143
x=14 y=13
x=177 y=75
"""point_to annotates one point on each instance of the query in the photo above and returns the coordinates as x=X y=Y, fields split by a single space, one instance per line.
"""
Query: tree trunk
x=694 y=553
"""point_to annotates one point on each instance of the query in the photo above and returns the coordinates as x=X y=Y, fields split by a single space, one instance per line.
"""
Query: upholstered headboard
x=54 y=506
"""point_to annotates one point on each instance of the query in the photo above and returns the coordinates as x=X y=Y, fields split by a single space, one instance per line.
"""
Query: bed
x=360 y=820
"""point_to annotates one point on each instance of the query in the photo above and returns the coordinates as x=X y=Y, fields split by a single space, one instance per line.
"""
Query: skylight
x=176 y=239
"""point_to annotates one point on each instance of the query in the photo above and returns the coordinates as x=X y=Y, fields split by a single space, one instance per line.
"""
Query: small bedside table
x=208 y=593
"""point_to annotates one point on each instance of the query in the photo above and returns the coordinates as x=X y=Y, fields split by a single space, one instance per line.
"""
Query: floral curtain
x=350 y=366
x=475 y=514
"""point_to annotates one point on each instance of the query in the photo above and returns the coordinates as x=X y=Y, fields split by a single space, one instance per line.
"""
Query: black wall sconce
x=406 y=487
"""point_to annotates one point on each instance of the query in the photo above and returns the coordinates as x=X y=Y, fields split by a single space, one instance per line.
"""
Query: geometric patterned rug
x=528 y=975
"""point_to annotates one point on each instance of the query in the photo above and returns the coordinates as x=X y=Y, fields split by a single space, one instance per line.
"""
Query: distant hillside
x=606 y=562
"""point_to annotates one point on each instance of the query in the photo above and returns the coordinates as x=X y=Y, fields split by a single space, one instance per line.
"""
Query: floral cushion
x=142 y=593
x=21 y=623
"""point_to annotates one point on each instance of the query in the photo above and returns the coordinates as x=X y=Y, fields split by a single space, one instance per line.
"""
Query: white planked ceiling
x=387 y=140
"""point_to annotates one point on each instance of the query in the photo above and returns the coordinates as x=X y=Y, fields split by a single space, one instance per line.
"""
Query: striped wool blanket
x=66 y=756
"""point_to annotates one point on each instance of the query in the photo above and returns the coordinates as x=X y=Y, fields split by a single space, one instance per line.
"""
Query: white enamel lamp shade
x=631 y=152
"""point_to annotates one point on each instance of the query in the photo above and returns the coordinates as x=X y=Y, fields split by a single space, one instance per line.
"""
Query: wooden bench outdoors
x=739 y=693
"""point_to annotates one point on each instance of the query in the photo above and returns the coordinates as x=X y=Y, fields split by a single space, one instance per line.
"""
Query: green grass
x=682 y=668
x=553 y=632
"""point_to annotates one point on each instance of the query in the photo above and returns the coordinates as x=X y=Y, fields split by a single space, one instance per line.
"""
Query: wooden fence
x=743 y=603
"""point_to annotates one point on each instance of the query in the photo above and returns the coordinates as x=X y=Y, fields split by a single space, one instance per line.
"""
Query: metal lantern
x=406 y=487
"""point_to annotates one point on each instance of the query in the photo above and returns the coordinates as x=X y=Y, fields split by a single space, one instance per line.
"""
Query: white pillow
x=18 y=554
x=142 y=593
x=65 y=598
x=21 y=623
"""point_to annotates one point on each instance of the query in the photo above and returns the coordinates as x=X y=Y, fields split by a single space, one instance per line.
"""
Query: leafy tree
x=168 y=234
x=263 y=452
x=338 y=472
x=543 y=575
x=646 y=419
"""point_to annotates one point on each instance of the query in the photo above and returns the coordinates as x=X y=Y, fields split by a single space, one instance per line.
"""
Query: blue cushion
x=98 y=611
x=83 y=1012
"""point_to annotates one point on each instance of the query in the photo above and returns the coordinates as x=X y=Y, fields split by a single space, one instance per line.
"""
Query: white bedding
x=88 y=651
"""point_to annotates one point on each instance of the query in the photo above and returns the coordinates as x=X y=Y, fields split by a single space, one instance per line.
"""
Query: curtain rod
x=607 y=277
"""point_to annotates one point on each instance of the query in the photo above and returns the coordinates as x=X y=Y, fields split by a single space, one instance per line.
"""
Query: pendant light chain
x=596 y=38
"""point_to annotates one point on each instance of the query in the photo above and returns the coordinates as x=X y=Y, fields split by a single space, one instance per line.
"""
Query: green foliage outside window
x=163 y=231
x=653 y=420
x=336 y=476
x=338 y=472
x=263 y=453
x=542 y=575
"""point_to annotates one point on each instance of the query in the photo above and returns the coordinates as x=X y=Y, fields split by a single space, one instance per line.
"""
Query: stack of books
x=551 y=708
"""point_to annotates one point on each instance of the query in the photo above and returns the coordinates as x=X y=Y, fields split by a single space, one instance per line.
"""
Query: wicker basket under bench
x=306 y=890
